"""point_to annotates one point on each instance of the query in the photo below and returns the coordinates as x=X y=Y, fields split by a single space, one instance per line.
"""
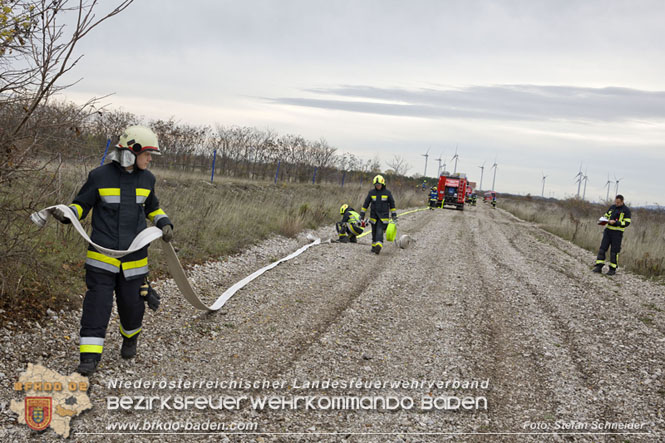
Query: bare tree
x=399 y=165
x=36 y=51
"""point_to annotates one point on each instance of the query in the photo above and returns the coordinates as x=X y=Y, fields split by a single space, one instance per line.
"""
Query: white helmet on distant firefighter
x=134 y=141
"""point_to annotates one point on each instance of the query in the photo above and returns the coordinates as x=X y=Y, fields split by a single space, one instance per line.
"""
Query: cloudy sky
x=541 y=87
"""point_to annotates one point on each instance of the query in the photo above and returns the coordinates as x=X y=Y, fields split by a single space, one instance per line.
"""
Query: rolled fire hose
x=148 y=235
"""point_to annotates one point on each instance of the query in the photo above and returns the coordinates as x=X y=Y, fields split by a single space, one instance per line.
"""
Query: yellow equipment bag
x=391 y=231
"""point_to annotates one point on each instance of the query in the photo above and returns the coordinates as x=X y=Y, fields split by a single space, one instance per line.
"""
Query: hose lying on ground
x=151 y=234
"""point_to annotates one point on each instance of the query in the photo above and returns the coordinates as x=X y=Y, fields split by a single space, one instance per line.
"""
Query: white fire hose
x=148 y=235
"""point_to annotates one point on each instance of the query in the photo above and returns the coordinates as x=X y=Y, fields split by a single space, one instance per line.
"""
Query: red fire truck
x=452 y=190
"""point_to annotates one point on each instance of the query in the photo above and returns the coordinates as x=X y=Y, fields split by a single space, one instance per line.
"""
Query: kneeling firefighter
x=121 y=195
x=383 y=207
x=351 y=225
x=433 y=197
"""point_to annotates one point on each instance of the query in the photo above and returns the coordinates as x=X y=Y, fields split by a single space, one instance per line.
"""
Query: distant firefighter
x=615 y=220
x=382 y=209
x=433 y=197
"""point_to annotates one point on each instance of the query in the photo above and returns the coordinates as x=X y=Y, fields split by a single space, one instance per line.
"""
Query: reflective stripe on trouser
x=98 y=304
x=129 y=333
x=91 y=345
x=612 y=241
x=341 y=229
x=378 y=229
x=347 y=229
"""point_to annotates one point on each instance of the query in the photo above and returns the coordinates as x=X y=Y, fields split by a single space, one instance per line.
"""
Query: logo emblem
x=38 y=412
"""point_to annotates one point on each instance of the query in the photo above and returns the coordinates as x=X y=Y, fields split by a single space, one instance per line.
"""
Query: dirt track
x=481 y=296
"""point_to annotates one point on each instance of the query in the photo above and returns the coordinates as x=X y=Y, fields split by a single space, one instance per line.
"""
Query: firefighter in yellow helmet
x=350 y=226
x=382 y=208
x=121 y=195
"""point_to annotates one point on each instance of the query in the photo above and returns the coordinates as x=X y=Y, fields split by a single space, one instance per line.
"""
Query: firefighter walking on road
x=350 y=227
x=121 y=195
x=618 y=219
x=383 y=207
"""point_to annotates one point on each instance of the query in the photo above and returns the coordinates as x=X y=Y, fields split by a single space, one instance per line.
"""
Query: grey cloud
x=499 y=102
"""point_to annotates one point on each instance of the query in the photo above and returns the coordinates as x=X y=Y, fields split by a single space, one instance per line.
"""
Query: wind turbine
x=482 y=171
x=426 y=155
x=586 y=179
x=494 y=178
x=439 y=160
x=455 y=157
x=616 y=184
x=542 y=193
x=578 y=180
x=608 y=184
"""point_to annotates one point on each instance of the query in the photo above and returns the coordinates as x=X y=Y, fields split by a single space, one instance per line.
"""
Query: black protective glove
x=59 y=215
x=167 y=233
x=150 y=296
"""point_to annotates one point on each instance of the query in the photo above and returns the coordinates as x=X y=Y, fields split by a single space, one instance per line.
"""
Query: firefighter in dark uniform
x=121 y=195
x=351 y=225
x=383 y=207
x=618 y=216
x=433 y=198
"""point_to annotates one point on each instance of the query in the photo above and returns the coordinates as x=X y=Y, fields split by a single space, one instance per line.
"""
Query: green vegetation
x=643 y=248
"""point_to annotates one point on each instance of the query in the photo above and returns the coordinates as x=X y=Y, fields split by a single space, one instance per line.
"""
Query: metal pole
x=482 y=171
x=277 y=172
x=494 y=179
x=584 y=193
x=108 y=142
x=214 y=157
x=542 y=194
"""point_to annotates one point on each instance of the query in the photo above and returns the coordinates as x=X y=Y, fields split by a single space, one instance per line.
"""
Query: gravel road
x=481 y=297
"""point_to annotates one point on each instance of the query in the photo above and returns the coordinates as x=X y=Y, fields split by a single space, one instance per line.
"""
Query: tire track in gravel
x=402 y=327
x=590 y=328
x=578 y=273
x=320 y=285
x=522 y=374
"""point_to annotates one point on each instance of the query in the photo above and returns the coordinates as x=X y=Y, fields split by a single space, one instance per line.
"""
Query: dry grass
x=643 y=247
x=211 y=221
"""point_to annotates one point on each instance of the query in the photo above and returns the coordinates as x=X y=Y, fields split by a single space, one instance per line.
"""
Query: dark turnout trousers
x=98 y=304
x=378 y=228
x=611 y=240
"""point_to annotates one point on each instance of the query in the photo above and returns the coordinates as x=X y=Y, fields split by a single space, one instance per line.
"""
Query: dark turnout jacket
x=622 y=216
x=383 y=205
x=120 y=201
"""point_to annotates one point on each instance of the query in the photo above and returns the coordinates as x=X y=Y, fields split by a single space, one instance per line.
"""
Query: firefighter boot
x=612 y=271
x=353 y=239
x=128 y=349
x=343 y=239
x=374 y=248
x=87 y=366
x=598 y=268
